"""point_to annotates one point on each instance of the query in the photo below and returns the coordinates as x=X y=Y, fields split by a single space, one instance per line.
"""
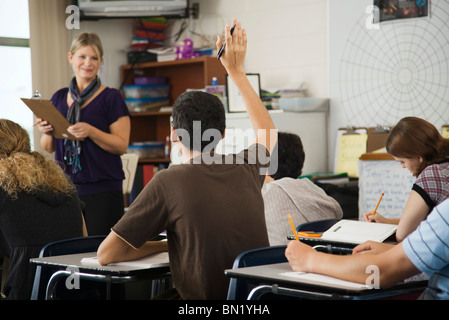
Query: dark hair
x=415 y=137
x=290 y=156
x=207 y=109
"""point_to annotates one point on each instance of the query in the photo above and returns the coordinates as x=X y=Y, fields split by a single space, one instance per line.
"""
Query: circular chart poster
x=393 y=69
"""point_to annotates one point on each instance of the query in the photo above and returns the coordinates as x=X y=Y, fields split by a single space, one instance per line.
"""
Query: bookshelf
x=184 y=74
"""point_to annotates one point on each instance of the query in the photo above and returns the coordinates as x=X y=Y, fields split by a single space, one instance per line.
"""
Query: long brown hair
x=415 y=137
x=23 y=170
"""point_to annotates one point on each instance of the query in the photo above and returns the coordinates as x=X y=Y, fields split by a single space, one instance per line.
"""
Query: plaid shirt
x=433 y=184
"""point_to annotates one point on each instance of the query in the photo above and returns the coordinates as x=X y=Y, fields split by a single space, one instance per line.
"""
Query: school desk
x=280 y=279
x=75 y=265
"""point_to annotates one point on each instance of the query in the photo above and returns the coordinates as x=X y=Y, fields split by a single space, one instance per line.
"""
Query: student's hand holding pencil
x=299 y=255
x=235 y=50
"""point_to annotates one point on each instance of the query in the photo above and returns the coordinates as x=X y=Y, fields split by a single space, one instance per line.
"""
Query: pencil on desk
x=378 y=202
x=293 y=226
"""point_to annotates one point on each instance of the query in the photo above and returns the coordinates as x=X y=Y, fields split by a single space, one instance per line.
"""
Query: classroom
x=340 y=75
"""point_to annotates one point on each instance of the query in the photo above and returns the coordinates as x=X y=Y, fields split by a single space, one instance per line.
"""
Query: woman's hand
x=80 y=130
x=44 y=127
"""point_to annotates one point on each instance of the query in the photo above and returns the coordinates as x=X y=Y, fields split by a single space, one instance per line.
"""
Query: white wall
x=286 y=38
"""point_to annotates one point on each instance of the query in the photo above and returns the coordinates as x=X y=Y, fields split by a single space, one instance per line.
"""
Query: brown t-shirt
x=211 y=212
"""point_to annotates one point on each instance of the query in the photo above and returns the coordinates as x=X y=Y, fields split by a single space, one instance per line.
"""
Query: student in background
x=99 y=116
x=38 y=205
x=211 y=210
x=283 y=192
x=420 y=148
x=426 y=249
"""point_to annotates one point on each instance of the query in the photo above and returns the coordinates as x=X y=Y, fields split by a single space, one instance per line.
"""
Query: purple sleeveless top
x=101 y=171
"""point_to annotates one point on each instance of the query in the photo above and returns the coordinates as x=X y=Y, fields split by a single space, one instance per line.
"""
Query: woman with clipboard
x=101 y=120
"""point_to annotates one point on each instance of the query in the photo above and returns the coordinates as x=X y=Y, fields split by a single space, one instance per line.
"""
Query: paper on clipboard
x=44 y=109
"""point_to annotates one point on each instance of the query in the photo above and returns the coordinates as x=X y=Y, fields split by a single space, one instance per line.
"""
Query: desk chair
x=62 y=247
x=129 y=164
x=321 y=226
x=238 y=288
x=317 y=226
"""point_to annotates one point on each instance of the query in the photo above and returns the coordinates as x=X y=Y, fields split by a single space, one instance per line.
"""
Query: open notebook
x=357 y=232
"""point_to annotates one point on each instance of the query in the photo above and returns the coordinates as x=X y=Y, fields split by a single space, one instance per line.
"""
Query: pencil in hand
x=292 y=225
x=378 y=202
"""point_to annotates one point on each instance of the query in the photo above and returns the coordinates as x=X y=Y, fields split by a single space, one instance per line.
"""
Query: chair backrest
x=317 y=226
x=239 y=288
x=129 y=164
x=57 y=248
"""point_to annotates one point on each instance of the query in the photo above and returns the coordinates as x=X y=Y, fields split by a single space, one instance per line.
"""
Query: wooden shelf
x=195 y=73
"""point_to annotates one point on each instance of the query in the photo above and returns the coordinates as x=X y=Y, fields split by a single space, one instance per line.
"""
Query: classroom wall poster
x=401 y=9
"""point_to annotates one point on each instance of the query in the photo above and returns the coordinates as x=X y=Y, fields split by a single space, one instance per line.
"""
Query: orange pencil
x=374 y=212
x=293 y=226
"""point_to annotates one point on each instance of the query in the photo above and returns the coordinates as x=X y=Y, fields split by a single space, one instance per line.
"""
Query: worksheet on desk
x=324 y=280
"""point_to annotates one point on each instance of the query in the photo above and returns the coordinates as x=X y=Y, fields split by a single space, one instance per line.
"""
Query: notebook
x=357 y=232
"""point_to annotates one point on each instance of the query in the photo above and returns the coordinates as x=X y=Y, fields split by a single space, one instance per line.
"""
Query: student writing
x=426 y=249
x=420 y=148
x=283 y=192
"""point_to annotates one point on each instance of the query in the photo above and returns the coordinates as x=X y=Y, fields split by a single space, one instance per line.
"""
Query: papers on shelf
x=159 y=259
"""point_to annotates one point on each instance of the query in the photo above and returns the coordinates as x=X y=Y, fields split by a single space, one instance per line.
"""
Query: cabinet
x=184 y=74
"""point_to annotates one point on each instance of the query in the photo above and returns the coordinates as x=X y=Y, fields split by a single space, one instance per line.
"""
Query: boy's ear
x=174 y=135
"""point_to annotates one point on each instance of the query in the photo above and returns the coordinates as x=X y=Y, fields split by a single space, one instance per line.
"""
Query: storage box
x=146 y=91
x=147 y=150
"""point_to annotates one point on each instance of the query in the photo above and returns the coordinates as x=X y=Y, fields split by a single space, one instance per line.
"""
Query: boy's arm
x=115 y=249
x=232 y=59
x=393 y=264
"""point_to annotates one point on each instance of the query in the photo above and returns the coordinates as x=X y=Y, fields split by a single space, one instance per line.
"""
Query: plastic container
x=148 y=149
x=146 y=91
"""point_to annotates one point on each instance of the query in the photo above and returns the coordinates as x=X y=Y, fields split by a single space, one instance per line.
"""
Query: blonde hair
x=87 y=39
x=24 y=171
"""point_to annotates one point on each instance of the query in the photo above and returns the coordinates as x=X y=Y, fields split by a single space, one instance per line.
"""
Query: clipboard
x=377 y=138
x=44 y=109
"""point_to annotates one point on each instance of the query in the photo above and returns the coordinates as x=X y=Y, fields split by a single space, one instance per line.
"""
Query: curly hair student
x=420 y=148
x=38 y=205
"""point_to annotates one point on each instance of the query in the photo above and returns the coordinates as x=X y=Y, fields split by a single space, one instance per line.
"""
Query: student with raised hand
x=38 y=205
x=99 y=116
x=424 y=250
x=211 y=210
x=420 y=148
x=283 y=192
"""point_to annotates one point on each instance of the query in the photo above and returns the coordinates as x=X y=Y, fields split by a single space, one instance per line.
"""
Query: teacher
x=100 y=119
